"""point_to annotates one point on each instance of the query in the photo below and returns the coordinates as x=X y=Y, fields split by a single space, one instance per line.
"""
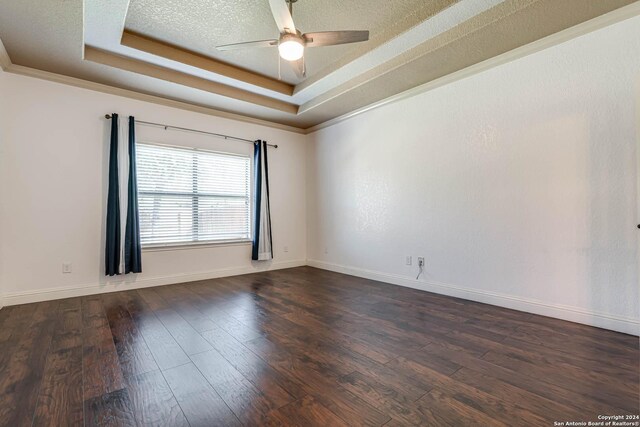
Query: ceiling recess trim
x=140 y=67
x=187 y=57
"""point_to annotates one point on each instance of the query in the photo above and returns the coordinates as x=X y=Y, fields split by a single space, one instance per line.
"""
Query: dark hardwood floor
x=304 y=347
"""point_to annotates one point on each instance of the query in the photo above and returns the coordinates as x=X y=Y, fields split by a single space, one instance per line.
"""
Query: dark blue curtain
x=132 y=251
x=117 y=251
x=112 y=250
x=266 y=180
x=262 y=247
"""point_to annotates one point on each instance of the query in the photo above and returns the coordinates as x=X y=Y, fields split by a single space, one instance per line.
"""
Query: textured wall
x=53 y=181
x=518 y=185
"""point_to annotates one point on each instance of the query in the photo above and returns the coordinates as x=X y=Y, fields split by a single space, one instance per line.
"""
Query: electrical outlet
x=286 y=248
x=326 y=251
x=66 y=268
x=409 y=260
x=420 y=261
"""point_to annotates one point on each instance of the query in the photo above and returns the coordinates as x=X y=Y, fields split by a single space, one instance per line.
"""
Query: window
x=192 y=196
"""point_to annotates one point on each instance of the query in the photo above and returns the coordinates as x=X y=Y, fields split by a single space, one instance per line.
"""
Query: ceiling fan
x=292 y=43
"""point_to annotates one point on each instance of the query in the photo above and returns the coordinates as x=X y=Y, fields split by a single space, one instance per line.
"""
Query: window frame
x=155 y=247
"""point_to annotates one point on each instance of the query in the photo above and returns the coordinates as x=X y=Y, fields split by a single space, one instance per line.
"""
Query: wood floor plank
x=101 y=366
x=263 y=376
x=60 y=400
x=166 y=352
x=153 y=402
x=361 y=343
x=198 y=400
x=561 y=342
x=20 y=382
x=440 y=409
x=517 y=396
x=591 y=359
x=306 y=411
x=220 y=317
x=439 y=362
x=248 y=403
x=585 y=364
x=624 y=394
x=493 y=407
x=540 y=386
x=133 y=353
x=110 y=410
x=188 y=338
x=319 y=382
x=60 y=397
x=14 y=320
x=181 y=303
x=391 y=401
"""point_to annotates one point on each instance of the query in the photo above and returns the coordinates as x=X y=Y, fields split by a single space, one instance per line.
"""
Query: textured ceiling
x=201 y=25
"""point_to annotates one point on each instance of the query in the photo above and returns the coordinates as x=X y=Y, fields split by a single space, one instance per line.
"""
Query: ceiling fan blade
x=330 y=38
x=282 y=16
x=299 y=68
x=258 y=43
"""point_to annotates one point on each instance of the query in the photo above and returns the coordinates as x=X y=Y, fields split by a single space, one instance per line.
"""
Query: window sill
x=192 y=245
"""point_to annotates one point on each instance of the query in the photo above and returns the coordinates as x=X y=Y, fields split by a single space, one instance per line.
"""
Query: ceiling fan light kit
x=291 y=47
x=291 y=43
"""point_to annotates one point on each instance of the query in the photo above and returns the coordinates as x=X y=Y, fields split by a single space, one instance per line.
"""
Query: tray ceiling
x=201 y=25
x=166 y=48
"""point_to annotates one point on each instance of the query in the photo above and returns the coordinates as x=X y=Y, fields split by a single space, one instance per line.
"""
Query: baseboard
x=626 y=325
x=574 y=314
x=128 y=284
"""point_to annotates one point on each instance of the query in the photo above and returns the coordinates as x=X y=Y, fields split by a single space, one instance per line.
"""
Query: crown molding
x=602 y=21
x=5 y=61
x=112 y=90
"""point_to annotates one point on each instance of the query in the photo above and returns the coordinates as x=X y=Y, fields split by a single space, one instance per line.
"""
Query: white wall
x=518 y=185
x=53 y=186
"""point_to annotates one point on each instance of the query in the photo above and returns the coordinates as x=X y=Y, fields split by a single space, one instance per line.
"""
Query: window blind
x=191 y=196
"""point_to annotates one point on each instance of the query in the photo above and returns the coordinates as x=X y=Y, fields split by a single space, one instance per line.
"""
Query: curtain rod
x=166 y=127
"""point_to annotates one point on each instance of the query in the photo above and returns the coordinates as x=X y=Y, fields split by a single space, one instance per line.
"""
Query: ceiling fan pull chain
x=279 y=62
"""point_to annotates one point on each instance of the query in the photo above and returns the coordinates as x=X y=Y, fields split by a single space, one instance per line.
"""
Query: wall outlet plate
x=420 y=261
x=408 y=260
x=66 y=268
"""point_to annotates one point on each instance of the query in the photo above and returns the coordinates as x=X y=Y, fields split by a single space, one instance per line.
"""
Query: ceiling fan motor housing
x=297 y=36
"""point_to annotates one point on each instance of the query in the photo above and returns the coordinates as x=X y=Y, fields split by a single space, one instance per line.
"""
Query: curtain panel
x=122 y=256
x=262 y=248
